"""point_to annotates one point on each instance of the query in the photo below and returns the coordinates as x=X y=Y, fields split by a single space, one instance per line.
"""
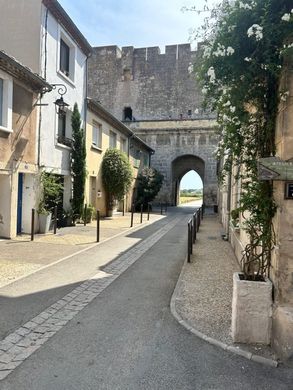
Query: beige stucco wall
x=94 y=160
x=19 y=16
x=281 y=272
x=138 y=158
x=282 y=267
x=18 y=155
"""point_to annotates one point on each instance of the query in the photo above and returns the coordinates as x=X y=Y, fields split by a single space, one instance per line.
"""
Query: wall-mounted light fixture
x=60 y=105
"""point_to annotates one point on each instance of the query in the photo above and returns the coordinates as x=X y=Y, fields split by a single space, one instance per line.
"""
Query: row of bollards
x=55 y=219
x=193 y=225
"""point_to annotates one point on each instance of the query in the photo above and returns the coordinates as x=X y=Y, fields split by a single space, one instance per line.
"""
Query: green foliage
x=117 y=175
x=51 y=192
x=89 y=213
x=149 y=183
x=78 y=162
x=239 y=71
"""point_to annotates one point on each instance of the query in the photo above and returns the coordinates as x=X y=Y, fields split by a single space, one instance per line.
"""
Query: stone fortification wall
x=181 y=146
x=156 y=86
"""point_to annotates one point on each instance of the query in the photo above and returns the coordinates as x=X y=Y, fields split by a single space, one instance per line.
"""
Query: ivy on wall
x=242 y=57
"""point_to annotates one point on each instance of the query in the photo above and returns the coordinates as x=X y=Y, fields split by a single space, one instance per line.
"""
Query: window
x=61 y=125
x=62 y=136
x=64 y=58
x=113 y=140
x=97 y=135
x=123 y=144
x=127 y=114
x=6 y=102
x=67 y=54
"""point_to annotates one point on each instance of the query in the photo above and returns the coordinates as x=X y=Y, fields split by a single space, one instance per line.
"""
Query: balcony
x=64 y=141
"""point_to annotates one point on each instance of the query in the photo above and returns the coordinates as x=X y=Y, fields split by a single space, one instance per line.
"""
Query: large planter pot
x=110 y=213
x=251 y=310
x=44 y=222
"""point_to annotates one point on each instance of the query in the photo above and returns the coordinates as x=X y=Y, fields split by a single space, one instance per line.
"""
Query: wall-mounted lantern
x=60 y=105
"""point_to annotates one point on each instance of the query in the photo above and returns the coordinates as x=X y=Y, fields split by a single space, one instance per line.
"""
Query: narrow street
x=122 y=335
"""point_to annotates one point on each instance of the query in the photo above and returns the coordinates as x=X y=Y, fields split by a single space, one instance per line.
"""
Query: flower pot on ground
x=44 y=222
x=51 y=192
x=117 y=177
x=251 y=310
x=89 y=213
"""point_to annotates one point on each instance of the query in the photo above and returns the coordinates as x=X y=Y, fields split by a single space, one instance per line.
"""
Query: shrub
x=117 y=176
x=149 y=183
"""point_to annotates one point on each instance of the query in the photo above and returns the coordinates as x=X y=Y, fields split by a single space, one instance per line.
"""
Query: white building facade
x=46 y=40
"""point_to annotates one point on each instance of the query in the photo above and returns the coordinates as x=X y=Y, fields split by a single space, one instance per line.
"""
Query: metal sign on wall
x=273 y=168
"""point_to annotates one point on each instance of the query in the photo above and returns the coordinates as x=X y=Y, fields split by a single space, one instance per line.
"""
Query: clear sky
x=190 y=181
x=138 y=23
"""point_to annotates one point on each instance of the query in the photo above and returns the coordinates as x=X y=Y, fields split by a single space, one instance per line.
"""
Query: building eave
x=63 y=18
x=22 y=73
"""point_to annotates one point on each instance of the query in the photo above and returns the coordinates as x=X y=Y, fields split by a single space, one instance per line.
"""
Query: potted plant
x=51 y=189
x=89 y=213
x=67 y=218
x=117 y=177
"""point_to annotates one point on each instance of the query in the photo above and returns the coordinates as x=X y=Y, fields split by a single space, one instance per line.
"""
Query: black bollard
x=98 y=225
x=141 y=212
x=132 y=211
x=33 y=225
x=84 y=214
x=148 y=211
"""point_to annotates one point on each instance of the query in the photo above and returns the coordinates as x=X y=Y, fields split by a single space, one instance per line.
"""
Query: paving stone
x=5 y=345
x=30 y=325
x=6 y=357
x=13 y=338
x=22 y=331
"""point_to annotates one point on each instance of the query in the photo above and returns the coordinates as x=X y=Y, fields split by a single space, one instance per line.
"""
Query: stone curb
x=134 y=228
x=236 y=350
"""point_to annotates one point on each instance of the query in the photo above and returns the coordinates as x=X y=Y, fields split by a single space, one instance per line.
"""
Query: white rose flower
x=286 y=17
x=255 y=30
x=230 y=50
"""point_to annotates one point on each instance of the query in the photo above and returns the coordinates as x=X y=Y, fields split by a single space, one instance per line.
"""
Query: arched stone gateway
x=180 y=166
x=182 y=146
x=158 y=97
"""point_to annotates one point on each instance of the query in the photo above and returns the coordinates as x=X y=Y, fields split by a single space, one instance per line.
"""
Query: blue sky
x=138 y=23
x=191 y=181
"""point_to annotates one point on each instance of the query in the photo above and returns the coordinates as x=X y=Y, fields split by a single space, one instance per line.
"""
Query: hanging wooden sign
x=273 y=168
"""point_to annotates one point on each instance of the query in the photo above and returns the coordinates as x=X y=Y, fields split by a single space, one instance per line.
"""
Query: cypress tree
x=78 y=163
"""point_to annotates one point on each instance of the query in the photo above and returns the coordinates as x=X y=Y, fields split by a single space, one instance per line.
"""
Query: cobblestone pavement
x=19 y=345
x=203 y=297
x=21 y=256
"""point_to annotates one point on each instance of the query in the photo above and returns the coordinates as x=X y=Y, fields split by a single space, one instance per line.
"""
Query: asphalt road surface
x=127 y=339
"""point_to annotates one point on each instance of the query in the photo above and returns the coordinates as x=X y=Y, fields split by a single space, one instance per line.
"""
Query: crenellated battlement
x=153 y=83
x=175 y=52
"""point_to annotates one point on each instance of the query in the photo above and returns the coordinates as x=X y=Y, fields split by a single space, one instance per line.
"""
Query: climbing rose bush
x=246 y=46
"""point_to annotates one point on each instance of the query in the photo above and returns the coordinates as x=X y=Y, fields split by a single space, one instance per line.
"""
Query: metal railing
x=193 y=225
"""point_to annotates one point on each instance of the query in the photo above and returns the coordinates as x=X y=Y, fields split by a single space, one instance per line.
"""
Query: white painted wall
x=5 y=205
x=29 y=201
x=53 y=156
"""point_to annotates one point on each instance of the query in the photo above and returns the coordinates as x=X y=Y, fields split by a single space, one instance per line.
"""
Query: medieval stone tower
x=158 y=97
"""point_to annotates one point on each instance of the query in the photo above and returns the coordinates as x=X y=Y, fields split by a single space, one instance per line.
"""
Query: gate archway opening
x=180 y=167
x=190 y=188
